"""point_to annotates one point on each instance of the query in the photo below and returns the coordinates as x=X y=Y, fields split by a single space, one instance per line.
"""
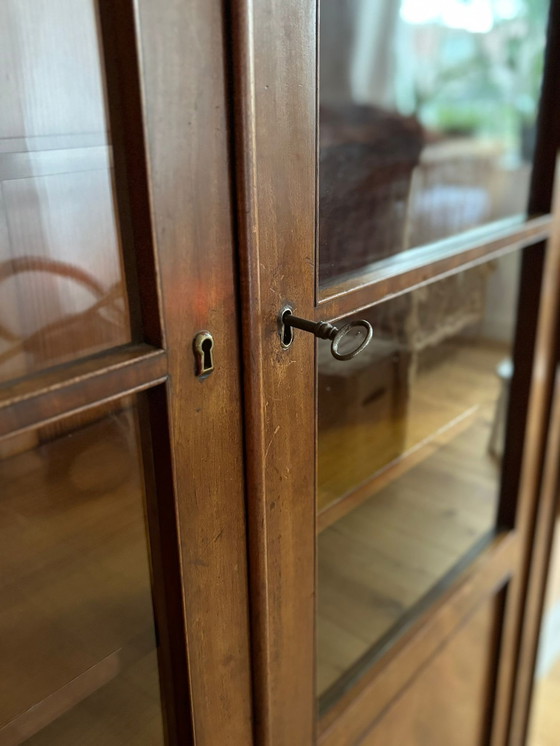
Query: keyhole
x=203 y=346
x=207 y=363
x=286 y=332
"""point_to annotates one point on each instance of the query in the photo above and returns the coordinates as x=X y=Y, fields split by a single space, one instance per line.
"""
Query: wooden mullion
x=183 y=87
x=50 y=395
x=416 y=267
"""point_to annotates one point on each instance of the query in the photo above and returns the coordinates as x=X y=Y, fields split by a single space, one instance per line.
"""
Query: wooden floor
x=544 y=727
x=78 y=661
x=377 y=561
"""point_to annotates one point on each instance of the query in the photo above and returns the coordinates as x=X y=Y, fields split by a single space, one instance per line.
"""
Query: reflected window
x=427 y=121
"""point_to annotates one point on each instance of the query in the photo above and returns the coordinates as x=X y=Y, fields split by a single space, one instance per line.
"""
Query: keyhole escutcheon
x=203 y=346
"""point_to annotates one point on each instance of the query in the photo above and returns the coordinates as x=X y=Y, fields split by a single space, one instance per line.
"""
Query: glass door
x=427 y=120
x=396 y=170
x=122 y=556
x=410 y=444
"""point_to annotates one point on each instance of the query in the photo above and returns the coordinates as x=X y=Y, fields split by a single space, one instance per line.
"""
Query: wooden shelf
x=78 y=690
x=385 y=545
x=415 y=267
x=395 y=469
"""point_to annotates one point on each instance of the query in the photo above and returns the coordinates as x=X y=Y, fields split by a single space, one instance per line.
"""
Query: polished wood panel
x=184 y=98
x=450 y=700
x=275 y=56
x=56 y=393
x=418 y=266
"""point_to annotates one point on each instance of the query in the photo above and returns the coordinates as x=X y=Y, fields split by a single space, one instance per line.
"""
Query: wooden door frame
x=276 y=210
x=168 y=110
x=275 y=97
x=540 y=531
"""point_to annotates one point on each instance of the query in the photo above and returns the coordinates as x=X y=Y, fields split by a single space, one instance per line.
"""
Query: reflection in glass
x=61 y=286
x=81 y=664
x=411 y=435
x=427 y=121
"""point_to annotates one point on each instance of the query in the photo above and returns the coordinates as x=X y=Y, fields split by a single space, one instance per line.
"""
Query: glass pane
x=427 y=121
x=81 y=663
x=61 y=277
x=411 y=434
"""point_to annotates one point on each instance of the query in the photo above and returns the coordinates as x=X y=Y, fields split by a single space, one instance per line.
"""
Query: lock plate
x=203 y=347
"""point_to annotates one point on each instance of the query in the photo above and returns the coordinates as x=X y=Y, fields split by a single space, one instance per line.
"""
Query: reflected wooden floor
x=382 y=557
x=350 y=452
x=78 y=662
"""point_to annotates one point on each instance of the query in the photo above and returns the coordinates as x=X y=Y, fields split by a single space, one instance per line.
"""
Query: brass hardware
x=203 y=346
x=358 y=333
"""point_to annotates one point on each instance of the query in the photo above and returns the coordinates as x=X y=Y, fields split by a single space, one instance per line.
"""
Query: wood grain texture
x=184 y=97
x=275 y=82
x=56 y=393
